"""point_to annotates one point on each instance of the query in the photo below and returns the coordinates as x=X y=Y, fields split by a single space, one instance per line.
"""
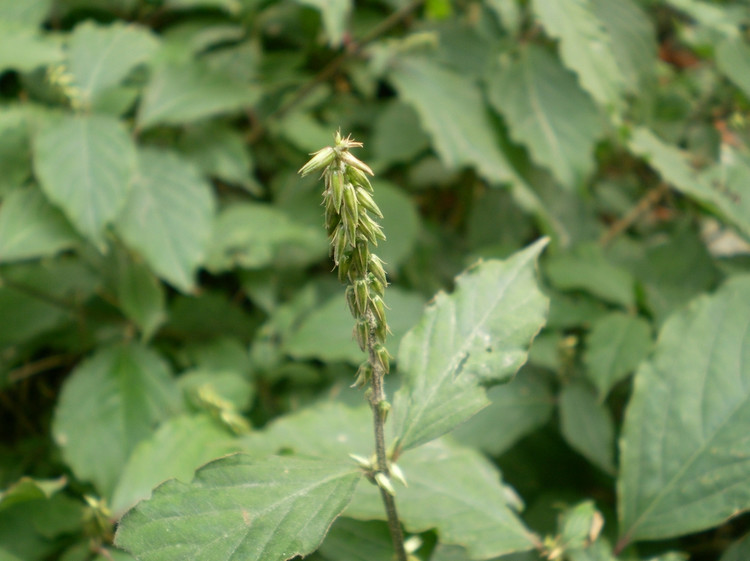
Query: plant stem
x=379 y=412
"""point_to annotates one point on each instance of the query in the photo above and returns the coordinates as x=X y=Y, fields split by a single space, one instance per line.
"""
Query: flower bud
x=362 y=296
x=376 y=287
x=358 y=177
x=384 y=483
x=336 y=181
x=375 y=266
x=364 y=373
x=351 y=160
x=351 y=300
x=383 y=358
x=345 y=264
x=361 y=333
x=362 y=254
x=338 y=243
x=378 y=308
x=381 y=331
x=370 y=230
x=365 y=200
x=319 y=160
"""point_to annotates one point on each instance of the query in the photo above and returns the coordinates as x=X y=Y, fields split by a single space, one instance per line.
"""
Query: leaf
x=107 y=406
x=733 y=59
x=100 y=57
x=397 y=137
x=31 y=227
x=167 y=217
x=516 y=409
x=141 y=297
x=32 y=12
x=452 y=111
x=15 y=148
x=738 y=551
x=179 y=94
x=587 y=425
x=335 y=14
x=271 y=510
x=479 y=334
x=472 y=511
x=548 y=113
x=175 y=450
x=400 y=220
x=231 y=6
x=615 y=346
x=85 y=165
x=585 y=47
x=355 y=540
x=326 y=334
x=684 y=446
x=23 y=48
x=29 y=489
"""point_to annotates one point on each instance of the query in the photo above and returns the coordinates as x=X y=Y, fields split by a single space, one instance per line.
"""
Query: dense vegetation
x=167 y=295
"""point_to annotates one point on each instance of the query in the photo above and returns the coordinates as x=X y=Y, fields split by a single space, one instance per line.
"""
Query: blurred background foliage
x=164 y=279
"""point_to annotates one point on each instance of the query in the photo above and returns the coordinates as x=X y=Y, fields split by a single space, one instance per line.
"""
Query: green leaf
x=585 y=47
x=615 y=346
x=587 y=425
x=231 y=6
x=472 y=511
x=31 y=227
x=85 y=165
x=733 y=59
x=32 y=12
x=167 y=217
x=354 y=540
x=335 y=14
x=400 y=221
x=738 y=551
x=178 y=94
x=28 y=489
x=252 y=235
x=452 y=111
x=479 y=334
x=141 y=297
x=238 y=508
x=548 y=113
x=15 y=148
x=326 y=334
x=181 y=445
x=397 y=137
x=516 y=409
x=23 y=48
x=587 y=268
x=100 y=57
x=685 y=433
x=107 y=406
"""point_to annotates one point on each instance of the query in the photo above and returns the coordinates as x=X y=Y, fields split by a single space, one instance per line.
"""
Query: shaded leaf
x=585 y=47
x=548 y=113
x=32 y=227
x=616 y=345
x=29 y=489
x=107 y=406
x=335 y=14
x=684 y=450
x=401 y=222
x=397 y=136
x=15 y=148
x=733 y=59
x=141 y=297
x=738 y=551
x=354 y=540
x=167 y=217
x=479 y=334
x=85 y=165
x=270 y=510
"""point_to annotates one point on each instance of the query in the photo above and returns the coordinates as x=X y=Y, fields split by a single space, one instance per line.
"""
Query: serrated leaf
x=23 y=48
x=85 y=165
x=107 y=406
x=471 y=511
x=179 y=94
x=684 y=448
x=235 y=507
x=31 y=227
x=167 y=217
x=452 y=111
x=615 y=346
x=335 y=14
x=548 y=113
x=516 y=409
x=175 y=450
x=100 y=57
x=587 y=425
x=479 y=334
x=733 y=59
x=585 y=47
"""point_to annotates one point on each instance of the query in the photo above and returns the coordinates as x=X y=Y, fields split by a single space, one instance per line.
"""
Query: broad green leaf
x=237 y=508
x=738 y=551
x=100 y=57
x=85 y=165
x=32 y=12
x=15 y=148
x=459 y=493
x=615 y=346
x=141 y=297
x=252 y=235
x=23 y=48
x=397 y=136
x=585 y=47
x=335 y=14
x=548 y=113
x=175 y=450
x=355 y=540
x=733 y=59
x=29 y=489
x=179 y=94
x=685 y=433
x=326 y=334
x=587 y=425
x=480 y=334
x=201 y=318
x=107 y=406
x=452 y=111
x=220 y=354
x=167 y=217
x=31 y=227
x=587 y=268
x=516 y=409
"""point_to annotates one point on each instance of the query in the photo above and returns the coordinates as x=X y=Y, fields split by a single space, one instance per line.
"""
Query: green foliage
x=564 y=191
